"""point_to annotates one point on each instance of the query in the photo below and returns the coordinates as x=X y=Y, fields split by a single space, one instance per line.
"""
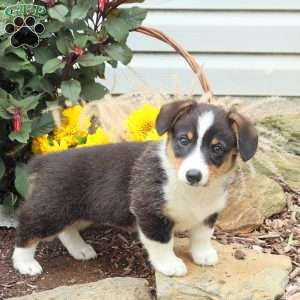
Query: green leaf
x=58 y=12
x=2 y=168
x=63 y=42
x=19 y=52
x=117 y=28
x=52 y=65
x=54 y=26
x=90 y=73
x=81 y=40
x=21 y=179
x=42 y=124
x=93 y=91
x=4 y=104
x=23 y=135
x=19 y=78
x=13 y=63
x=4 y=114
x=80 y=10
x=4 y=45
x=4 y=94
x=28 y=103
x=43 y=54
x=90 y=60
x=133 y=16
x=40 y=84
x=71 y=89
x=119 y=52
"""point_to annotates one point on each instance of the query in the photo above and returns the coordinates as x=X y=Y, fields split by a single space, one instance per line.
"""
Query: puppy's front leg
x=158 y=240
x=202 y=251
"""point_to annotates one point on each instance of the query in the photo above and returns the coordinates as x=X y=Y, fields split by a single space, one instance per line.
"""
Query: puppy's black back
x=80 y=184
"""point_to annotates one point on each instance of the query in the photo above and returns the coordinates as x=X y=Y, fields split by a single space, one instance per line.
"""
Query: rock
x=294 y=297
x=239 y=254
x=251 y=202
x=259 y=276
x=111 y=288
x=285 y=133
x=288 y=167
x=287 y=126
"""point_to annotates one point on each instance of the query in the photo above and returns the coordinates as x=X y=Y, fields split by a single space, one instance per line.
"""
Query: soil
x=119 y=254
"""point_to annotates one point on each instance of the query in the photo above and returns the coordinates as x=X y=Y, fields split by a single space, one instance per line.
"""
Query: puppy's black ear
x=170 y=113
x=246 y=134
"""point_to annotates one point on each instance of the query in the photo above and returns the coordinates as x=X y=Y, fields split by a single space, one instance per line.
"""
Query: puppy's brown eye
x=183 y=140
x=218 y=149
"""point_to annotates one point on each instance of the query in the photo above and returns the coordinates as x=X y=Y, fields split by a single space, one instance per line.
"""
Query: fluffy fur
x=159 y=188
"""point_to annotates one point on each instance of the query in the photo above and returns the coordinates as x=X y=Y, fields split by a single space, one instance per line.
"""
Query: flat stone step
x=116 y=288
x=258 y=276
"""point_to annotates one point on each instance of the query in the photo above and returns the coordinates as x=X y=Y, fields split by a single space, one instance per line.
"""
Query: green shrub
x=81 y=38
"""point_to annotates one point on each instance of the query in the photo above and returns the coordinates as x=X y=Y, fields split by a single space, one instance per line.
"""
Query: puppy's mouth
x=197 y=184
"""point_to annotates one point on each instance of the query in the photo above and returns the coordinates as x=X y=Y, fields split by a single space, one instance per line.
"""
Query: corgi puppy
x=176 y=184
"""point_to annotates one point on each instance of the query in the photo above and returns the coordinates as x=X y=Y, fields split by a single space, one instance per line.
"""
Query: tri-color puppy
x=162 y=187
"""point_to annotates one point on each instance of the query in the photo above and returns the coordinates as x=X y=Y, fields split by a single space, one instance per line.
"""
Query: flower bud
x=78 y=51
x=102 y=5
x=17 y=120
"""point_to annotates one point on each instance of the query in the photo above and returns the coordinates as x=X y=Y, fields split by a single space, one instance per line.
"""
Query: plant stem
x=114 y=5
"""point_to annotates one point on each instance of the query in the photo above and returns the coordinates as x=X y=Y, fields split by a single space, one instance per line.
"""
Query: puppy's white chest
x=190 y=206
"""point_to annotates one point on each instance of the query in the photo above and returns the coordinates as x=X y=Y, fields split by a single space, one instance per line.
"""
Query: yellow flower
x=72 y=117
x=141 y=123
x=71 y=129
x=97 y=138
x=56 y=147
x=41 y=145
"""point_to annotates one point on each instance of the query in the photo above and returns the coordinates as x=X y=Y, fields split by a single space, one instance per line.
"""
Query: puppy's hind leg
x=24 y=261
x=75 y=245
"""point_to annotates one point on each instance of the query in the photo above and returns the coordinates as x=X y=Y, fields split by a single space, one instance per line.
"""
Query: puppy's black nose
x=193 y=176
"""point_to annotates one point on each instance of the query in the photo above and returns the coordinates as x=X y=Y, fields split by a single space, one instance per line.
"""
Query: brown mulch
x=119 y=254
x=279 y=234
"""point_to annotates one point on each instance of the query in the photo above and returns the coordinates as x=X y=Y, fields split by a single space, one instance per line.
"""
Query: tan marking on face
x=215 y=141
x=227 y=165
x=171 y=155
x=190 y=135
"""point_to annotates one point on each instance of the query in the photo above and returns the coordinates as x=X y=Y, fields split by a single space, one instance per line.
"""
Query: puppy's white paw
x=171 y=267
x=27 y=267
x=205 y=256
x=84 y=252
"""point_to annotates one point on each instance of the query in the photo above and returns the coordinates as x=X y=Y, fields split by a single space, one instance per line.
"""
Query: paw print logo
x=24 y=32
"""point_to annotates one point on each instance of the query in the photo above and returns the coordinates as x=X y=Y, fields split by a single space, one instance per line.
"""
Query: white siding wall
x=246 y=48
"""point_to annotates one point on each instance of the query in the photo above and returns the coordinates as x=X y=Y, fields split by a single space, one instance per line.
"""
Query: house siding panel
x=245 y=47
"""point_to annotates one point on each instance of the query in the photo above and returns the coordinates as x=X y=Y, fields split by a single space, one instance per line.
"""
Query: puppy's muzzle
x=193 y=176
